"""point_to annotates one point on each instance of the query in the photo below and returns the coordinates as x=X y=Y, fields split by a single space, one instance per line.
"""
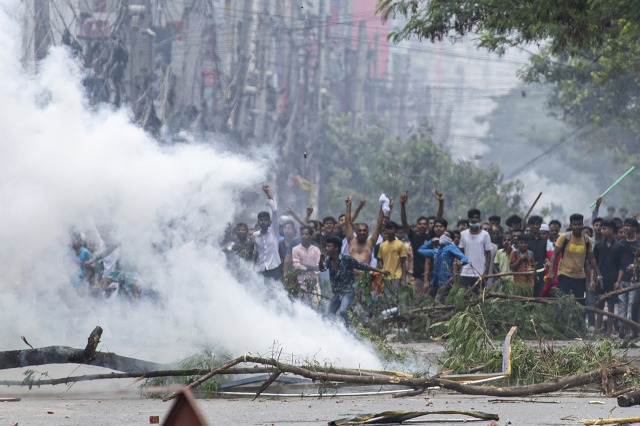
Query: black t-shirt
x=417 y=241
x=605 y=256
x=625 y=253
x=539 y=249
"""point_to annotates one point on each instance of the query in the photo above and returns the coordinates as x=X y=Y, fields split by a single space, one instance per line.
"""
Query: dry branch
x=614 y=316
x=68 y=355
x=593 y=377
x=605 y=296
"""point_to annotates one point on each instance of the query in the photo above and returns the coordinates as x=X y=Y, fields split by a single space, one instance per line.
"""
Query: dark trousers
x=569 y=285
x=635 y=310
x=467 y=282
x=274 y=274
x=538 y=284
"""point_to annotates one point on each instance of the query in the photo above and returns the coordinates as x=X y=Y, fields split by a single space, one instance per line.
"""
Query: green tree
x=588 y=53
x=363 y=163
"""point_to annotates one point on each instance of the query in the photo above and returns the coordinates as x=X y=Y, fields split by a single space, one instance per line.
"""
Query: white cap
x=544 y=227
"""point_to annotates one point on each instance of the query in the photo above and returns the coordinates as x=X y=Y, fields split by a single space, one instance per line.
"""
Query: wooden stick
x=619 y=420
x=614 y=316
x=524 y=220
x=604 y=296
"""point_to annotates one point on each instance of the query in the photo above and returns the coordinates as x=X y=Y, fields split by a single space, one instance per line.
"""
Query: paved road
x=117 y=402
x=556 y=409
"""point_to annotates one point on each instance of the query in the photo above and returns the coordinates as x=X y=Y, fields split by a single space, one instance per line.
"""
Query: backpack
x=587 y=243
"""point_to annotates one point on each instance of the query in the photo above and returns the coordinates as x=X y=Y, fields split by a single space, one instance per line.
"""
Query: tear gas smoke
x=65 y=166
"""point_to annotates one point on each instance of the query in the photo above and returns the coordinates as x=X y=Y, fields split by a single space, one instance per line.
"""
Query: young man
x=571 y=271
x=494 y=220
x=554 y=230
x=392 y=255
x=514 y=222
x=523 y=260
x=83 y=255
x=538 y=245
x=476 y=245
x=442 y=253
x=501 y=261
x=243 y=245
x=342 y=277
x=604 y=253
x=306 y=258
x=286 y=244
x=611 y=212
x=417 y=238
x=266 y=240
x=597 y=233
x=625 y=255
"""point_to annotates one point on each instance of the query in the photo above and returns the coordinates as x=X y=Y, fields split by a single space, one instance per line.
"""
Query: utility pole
x=323 y=26
x=41 y=29
x=264 y=59
x=140 y=64
x=374 y=80
x=402 y=93
x=238 y=114
x=361 y=74
x=190 y=102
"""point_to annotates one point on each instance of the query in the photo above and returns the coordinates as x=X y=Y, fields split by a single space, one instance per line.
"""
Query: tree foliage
x=588 y=52
x=571 y=26
x=364 y=163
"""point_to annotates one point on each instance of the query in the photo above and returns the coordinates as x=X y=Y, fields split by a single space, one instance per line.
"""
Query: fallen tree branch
x=66 y=355
x=141 y=375
x=592 y=377
x=614 y=316
x=266 y=384
x=605 y=296
x=615 y=421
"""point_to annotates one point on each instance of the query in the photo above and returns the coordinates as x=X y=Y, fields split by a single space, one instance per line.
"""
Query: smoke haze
x=65 y=166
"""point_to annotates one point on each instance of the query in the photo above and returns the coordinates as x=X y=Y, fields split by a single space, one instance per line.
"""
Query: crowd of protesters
x=526 y=255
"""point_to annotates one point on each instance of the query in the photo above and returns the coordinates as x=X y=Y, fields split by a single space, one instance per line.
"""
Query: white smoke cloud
x=64 y=165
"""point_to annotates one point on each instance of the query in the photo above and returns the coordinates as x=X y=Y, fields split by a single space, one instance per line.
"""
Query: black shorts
x=570 y=285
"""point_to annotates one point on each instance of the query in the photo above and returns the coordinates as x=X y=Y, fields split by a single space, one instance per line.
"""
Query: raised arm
x=376 y=231
x=403 y=212
x=294 y=215
x=440 y=197
x=275 y=224
x=267 y=191
x=596 y=209
x=363 y=201
x=348 y=221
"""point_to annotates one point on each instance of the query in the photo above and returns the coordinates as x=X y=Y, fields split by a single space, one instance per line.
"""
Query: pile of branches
x=607 y=377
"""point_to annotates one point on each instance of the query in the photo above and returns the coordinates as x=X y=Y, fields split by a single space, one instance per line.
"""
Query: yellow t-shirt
x=572 y=263
x=392 y=254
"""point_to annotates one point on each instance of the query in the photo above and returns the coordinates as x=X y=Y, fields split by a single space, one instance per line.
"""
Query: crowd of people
x=524 y=254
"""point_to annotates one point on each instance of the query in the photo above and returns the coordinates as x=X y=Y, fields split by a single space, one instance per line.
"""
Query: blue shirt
x=343 y=278
x=82 y=257
x=442 y=265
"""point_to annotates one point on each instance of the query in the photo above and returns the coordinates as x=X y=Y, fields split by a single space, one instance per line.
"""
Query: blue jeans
x=625 y=304
x=339 y=303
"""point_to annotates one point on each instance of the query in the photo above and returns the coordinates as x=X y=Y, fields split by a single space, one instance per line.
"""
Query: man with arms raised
x=266 y=240
x=361 y=246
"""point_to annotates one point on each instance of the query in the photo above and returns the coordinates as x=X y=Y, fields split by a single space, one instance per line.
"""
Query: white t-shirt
x=474 y=247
